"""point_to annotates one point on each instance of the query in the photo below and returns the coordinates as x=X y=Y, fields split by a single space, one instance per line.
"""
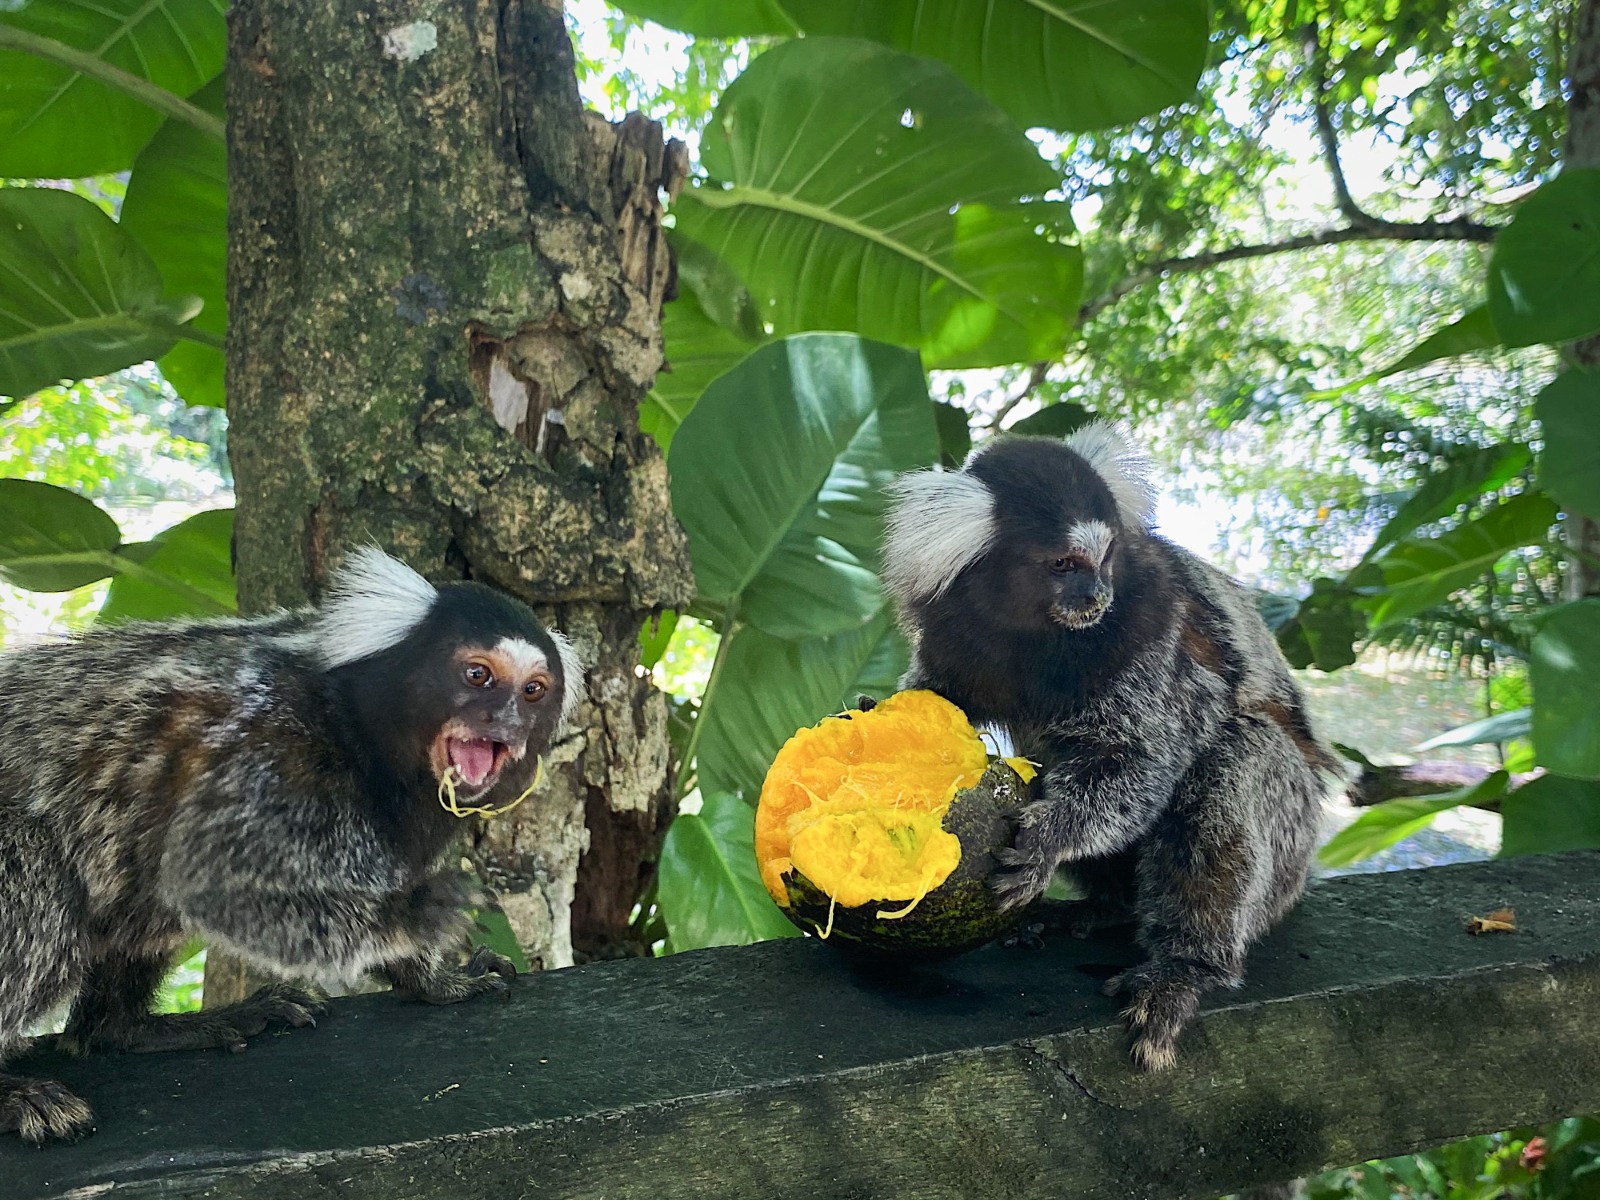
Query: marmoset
x=1181 y=779
x=272 y=786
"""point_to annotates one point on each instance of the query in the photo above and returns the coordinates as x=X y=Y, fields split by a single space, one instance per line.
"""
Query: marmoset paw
x=1159 y=1006
x=485 y=971
x=1027 y=865
x=436 y=912
x=42 y=1110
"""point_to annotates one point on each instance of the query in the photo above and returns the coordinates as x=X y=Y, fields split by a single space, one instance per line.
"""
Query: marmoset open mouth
x=475 y=762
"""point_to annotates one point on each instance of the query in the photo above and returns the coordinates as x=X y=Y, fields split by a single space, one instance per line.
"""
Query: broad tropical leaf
x=1420 y=572
x=1382 y=825
x=1544 y=278
x=1550 y=814
x=709 y=889
x=177 y=207
x=53 y=540
x=1055 y=420
x=56 y=122
x=1502 y=727
x=1472 y=331
x=770 y=687
x=778 y=477
x=1459 y=478
x=854 y=187
x=1062 y=64
x=698 y=351
x=1569 y=467
x=78 y=296
x=1565 y=671
x=184 y=571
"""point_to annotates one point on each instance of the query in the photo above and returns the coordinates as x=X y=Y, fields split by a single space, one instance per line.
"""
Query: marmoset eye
x=534 y=690
x=478 y=675
x=1063 y=566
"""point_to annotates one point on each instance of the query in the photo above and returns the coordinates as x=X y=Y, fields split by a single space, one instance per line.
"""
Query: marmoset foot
x=1161 y=1003
x=277 y=1006
x=434 y=983
x=42 y=1110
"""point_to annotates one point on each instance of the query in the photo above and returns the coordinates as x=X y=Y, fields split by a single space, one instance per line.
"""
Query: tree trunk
x=1583 y=150
x=445 y=286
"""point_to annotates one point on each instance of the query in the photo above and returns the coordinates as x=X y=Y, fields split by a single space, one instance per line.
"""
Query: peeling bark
x=445 y=285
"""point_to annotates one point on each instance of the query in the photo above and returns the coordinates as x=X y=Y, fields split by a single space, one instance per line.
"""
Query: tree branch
x=1455 y=229
x=1036 y=374
x=158 y=98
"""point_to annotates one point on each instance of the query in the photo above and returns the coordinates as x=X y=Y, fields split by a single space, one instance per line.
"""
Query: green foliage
x=1382 y=825
x=1559 y=1161
x=1070 y=64
x=79 y=296
x=1569 y=413
x=177 y=210
x=778 y=478
x=1549 y=814
x=1420 y=572
x=709 y=891
x=57 y=121
x=913 y=215
x=184 y=571
x=53 y=540
x=1544 y=280
x=1566 y=689
x=1471 y=332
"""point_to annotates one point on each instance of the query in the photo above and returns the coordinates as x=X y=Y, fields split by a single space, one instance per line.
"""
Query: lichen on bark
x=445 y=285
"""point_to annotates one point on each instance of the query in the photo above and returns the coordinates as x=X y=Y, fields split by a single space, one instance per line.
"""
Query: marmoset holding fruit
x=276 y=787
x=1182 y=781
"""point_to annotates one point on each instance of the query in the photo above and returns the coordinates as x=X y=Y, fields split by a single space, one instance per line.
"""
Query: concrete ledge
x=1372 y=1025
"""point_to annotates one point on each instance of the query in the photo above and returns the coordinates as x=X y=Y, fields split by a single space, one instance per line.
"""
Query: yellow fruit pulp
x=856 y=804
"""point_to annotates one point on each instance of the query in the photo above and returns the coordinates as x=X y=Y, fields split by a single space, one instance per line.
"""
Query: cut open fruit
x=879 y=827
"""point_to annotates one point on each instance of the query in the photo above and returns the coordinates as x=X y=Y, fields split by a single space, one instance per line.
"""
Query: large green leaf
x=78 y=296
x=1550 y=814
x=855 y=187
x=1460 y=478
x=1382 y=825
x=709 y=888
x=53 y=540
x=1062 y=64
x=1544 y=278
x=1569 y=469
x=769 y=688
x=1472 y=331
x=185 y=571
x=1502 y=727
x=1421 y=572
x=56 y=122
x=778 y=477
x=1564 y=666
x=177 y=207
x=698 y=351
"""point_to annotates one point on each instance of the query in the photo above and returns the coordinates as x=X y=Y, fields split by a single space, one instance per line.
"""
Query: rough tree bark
x=1583 y=150
x=445 y=284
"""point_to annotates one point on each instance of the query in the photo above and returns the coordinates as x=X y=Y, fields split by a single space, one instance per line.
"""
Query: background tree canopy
x=1337 y=261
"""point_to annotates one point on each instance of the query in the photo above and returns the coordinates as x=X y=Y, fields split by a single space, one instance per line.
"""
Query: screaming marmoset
x=1181 y=777
x=271 y=786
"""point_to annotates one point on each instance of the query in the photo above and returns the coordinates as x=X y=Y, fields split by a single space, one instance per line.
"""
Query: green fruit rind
x=958 y=915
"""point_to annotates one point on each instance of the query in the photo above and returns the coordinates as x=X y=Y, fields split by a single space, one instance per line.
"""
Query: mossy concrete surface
x=1372 y=1024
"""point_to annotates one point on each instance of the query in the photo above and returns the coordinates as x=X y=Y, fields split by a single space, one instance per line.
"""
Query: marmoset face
x=503 y=697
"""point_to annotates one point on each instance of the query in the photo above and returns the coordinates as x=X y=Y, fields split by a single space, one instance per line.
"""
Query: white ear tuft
x=572 y=688
x=941 y=523
x=1126 y=470
x=373 y=603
